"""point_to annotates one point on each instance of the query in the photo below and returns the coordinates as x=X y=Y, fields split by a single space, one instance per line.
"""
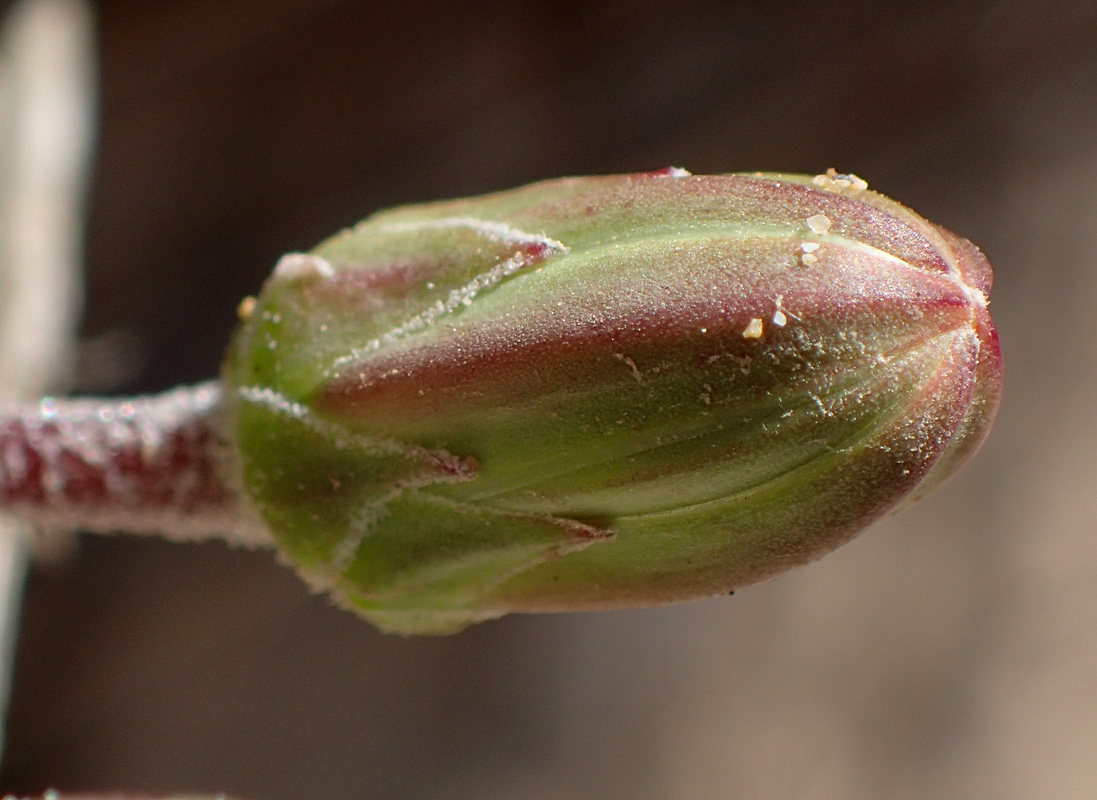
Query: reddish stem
x=156 y=465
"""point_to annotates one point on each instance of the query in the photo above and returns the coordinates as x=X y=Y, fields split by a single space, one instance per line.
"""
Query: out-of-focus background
x=949 y=652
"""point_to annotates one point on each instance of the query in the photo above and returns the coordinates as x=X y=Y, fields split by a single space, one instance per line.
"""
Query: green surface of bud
x=605 y=392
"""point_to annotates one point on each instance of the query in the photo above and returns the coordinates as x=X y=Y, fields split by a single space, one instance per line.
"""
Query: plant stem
x=155 y=465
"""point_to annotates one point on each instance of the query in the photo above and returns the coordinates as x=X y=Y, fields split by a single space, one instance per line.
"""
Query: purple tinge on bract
x=662 y=387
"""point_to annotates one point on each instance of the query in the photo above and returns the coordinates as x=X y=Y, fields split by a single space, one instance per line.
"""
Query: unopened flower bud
x=605 y=392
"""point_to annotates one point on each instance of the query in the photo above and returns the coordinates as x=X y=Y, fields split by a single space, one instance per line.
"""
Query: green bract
x=605 y=392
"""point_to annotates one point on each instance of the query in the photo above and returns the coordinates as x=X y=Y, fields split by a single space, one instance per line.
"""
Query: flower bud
x=605 y=392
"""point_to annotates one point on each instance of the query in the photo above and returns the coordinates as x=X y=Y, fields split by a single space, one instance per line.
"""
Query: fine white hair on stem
x=157 y=465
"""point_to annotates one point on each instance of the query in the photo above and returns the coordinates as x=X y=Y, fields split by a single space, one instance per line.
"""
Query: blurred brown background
x=949 y=652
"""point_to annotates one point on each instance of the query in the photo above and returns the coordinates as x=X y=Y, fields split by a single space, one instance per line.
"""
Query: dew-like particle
x=779 y=318
x=48 y=408
x=243 y=311
x=819 y=223
x=840 y=183
x=299 y=266
x=754 y=329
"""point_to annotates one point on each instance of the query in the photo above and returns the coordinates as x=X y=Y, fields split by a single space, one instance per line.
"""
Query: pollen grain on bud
x=605 y=392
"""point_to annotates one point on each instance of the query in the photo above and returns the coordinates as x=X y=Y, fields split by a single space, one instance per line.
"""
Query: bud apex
x=606 y=392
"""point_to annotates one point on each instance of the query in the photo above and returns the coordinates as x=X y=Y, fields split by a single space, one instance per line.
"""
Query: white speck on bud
x=754 y=329
x=819 y=223
x=303 y=265
x=840 y=183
